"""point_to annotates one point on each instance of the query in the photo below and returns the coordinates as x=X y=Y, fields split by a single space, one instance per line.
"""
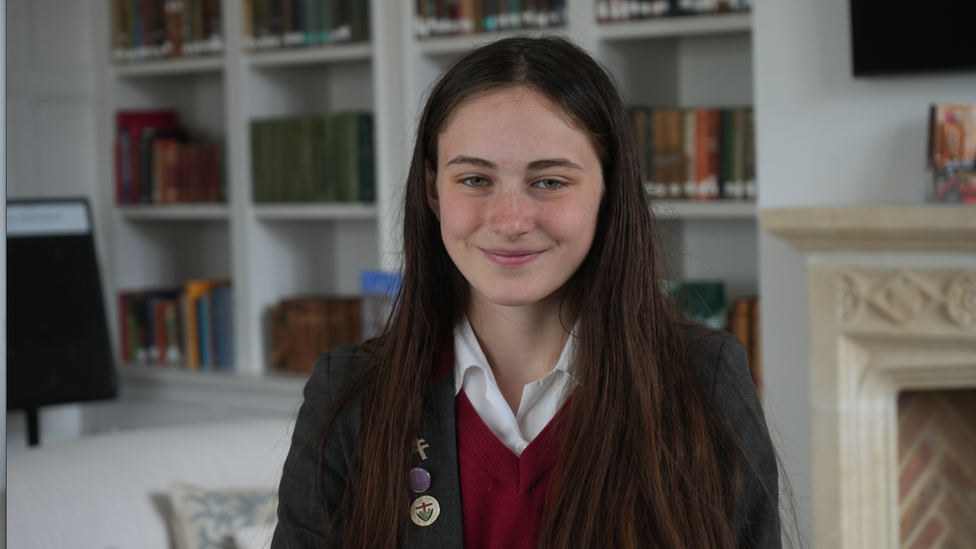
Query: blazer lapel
x=436 y=452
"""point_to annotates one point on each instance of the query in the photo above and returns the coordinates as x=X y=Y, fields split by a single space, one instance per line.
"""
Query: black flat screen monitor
x=58 y=348
x=900 y=37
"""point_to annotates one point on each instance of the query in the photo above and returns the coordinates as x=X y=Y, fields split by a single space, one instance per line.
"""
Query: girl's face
x=517 y=190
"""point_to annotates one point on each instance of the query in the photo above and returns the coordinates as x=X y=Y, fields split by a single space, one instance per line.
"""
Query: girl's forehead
x=512 y=113
x=485 y=104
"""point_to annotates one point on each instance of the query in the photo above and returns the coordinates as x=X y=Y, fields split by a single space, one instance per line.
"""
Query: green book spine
x=325 y=21
x=725 y=150
x=266 y=167
x=331 y=149
x=749 y=155
x=256 y=195
x=367 y=173
x=304 y=167
x=360 y=20
x=346 y=144
x=272 y=168
x=311 y=23
x=281 y=172
x=738 y=152
x=291 y=154
x=316 y=145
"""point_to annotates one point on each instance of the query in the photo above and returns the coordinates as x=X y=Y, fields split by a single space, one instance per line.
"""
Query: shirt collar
x=468 y=354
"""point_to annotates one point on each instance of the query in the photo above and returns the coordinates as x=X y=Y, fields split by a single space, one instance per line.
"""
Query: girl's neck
x=522 y=344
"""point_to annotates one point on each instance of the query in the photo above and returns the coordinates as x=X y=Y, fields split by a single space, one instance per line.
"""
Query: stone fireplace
x=892 y=317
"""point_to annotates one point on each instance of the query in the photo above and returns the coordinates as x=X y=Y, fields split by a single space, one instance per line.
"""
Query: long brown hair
x=644 y=448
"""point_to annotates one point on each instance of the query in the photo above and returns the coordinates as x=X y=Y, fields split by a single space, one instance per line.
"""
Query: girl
x=535 y=386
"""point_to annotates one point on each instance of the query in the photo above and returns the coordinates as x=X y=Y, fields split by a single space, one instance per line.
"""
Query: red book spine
x=132 y=123
x=213 y=171
x=193 y=171
x=118 y=173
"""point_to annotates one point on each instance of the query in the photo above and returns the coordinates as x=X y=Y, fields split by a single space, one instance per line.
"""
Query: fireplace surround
x=892 y=307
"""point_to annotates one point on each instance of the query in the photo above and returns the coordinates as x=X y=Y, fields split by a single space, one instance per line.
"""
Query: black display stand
x=58 y=348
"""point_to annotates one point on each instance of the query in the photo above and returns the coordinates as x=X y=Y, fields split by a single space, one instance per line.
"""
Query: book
x=744 y=325
x=701 y=301
x=313 y=158
x=149 y=333
x=460 y=17
x=950 y=173
x=151 y=191
x=276 y=24
x=303 y=328
x=697 y=154
x=143 y=30
x=608 y=11
x=199 y=314
x=130 y=126
x=157 y=163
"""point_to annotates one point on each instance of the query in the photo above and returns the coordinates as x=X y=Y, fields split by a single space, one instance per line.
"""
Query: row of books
x=626 y=10
x=744 y=325
x=156 y=29
x=951 y=168
x=304 y=328
x=701 y=154
x=453 y=17
x=321 y=158
x=156 y=163
x=704 y=302
x=273 y=24
x=191 y=327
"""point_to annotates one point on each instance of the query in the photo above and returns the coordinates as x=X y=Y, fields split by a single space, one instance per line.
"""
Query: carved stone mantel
x=900 y=317
x=876 y=228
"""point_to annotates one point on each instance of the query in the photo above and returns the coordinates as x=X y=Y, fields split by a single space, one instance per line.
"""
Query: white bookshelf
x=168 y=67
x=309 y=56
x=316 y=212
x=175 y=212
x=692 y=210
x=677 y=27
x=273 y=251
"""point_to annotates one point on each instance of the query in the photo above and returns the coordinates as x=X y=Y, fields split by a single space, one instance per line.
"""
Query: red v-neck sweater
x=503 y=496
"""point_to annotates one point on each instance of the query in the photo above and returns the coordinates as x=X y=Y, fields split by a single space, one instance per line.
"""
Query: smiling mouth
x=511 y=258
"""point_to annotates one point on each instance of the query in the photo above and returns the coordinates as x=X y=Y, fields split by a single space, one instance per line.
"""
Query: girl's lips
x=511 y=258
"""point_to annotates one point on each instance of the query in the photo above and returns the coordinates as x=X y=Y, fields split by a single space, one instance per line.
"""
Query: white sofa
x=110 y=491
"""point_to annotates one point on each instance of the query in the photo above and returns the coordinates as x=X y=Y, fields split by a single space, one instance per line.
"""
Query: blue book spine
x=227 y=312
x=204 y=324
x=218 y=326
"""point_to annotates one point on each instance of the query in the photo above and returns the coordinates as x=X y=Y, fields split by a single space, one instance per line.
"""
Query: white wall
x=824 y=138
x=50 y=133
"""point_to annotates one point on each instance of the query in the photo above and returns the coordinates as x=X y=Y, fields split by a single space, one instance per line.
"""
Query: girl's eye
x=475 y=181
x=549 y=184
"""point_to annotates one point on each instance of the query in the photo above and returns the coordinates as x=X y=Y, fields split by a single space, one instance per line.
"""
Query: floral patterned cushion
x=208 y=519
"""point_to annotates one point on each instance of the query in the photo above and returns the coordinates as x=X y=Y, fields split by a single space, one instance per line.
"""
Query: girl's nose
x=510 y=214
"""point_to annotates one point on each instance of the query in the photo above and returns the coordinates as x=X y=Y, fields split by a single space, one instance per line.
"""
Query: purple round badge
x=419 y=480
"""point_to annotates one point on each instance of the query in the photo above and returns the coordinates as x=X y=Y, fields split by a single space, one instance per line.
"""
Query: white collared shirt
x=541 y=399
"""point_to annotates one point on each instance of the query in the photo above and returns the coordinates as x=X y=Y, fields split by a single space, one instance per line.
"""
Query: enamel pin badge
x=424 y=511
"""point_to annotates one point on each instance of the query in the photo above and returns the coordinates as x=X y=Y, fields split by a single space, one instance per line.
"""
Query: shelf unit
x=272 y=251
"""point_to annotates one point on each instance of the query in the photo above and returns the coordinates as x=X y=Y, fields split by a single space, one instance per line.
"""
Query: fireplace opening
x=937 y=468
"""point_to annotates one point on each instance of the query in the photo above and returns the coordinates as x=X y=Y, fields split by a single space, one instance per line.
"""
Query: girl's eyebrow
x=480 y=162
x=534 y=165
x=554 y=163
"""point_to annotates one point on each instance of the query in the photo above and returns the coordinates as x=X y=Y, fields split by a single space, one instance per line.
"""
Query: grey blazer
x=302 y=522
